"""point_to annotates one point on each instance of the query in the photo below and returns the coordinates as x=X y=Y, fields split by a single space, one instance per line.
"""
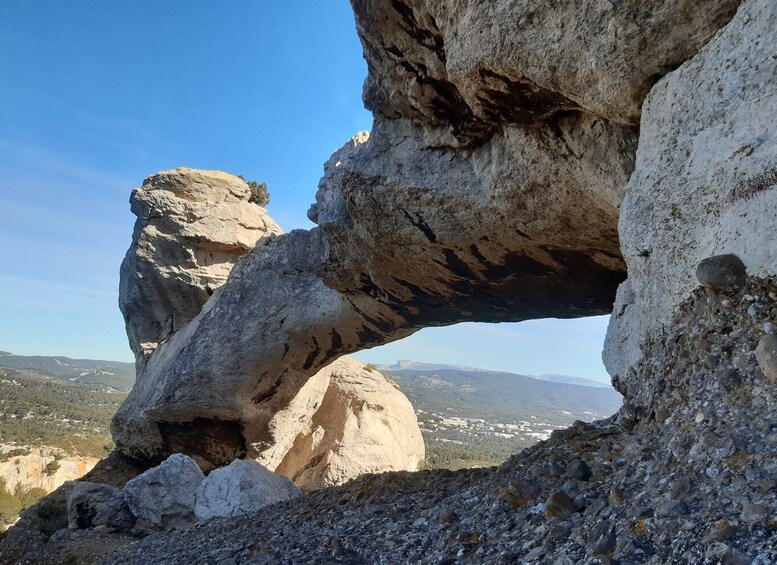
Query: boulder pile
x=176 y=494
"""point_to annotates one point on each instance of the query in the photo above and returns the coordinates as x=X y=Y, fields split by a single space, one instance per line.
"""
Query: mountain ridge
x=117 y=375
x=406 y=364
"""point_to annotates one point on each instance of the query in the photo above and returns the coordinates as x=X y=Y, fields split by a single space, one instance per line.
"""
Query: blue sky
x=95 y=96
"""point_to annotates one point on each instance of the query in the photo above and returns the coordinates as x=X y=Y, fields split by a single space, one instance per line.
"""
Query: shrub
x=52 y=467
x=260 y=194
x=53 y=515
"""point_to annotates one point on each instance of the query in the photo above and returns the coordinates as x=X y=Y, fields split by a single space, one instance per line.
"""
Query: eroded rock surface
x=354 y=422
x=242 y=487
x=192 y=227
x=370 y=425
x=90 y=505
x=691 y=479
x=710 y=191
x=474 y=66
x=489 y=190
x=163 y=497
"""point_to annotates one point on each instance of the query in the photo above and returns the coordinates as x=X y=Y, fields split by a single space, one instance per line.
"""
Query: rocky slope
x=693 y=481
x=704 y=182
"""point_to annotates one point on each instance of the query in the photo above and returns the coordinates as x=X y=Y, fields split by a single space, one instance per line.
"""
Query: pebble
x=766 y=355
x=578 y=469
x=722 y=273
x=560 y=505
x=753 y=512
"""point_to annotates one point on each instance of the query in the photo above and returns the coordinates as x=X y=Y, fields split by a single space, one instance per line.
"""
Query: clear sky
x=95 y=96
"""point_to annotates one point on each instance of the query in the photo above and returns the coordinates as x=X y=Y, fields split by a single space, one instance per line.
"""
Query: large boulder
x=240 y=488
x=705 y=183
x=92 y=504
x=346 y=421
x=163 y=497
x=192 y=227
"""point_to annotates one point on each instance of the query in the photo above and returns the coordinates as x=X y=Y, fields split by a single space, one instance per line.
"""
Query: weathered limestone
x=766 y=355
x=411 y=235
x=36 y=469
x=379 y=444
x=705 y=182
x=163 y=497
x=240 y=488
x=91 y=504
x=475 y=65
x=489 y=190
x=192 y=226
x=504 y=232
x=355 y=422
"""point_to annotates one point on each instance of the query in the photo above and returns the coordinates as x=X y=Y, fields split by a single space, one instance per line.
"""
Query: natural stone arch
x=454 y=210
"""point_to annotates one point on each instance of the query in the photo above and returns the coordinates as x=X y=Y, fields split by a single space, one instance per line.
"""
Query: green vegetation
x=260 y=194
x=52 y=467
x=8 y=455
x=438 y=457
x=40 y=411
x=12 y=503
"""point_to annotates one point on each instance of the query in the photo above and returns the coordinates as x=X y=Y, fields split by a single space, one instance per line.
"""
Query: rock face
x=44 y=468
x=346 y=421
x=192 y=227
x=90 y=505
x=488 y=190
x=477 y=65
x=711 y=191
x=163 y=497
x=240 y=488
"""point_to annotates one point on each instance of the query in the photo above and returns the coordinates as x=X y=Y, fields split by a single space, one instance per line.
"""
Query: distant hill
x=404 y=364
x=566 y=379
x=110 y=374
x=471 y=416
x=476 y=393
x=468 y=416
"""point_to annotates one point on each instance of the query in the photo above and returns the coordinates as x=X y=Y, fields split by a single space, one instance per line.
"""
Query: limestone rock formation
x=45 y=468
x=163 y=497
x=346 y=421
x=240 y=488
x=686 y=472
x=711 y=191
x=197 y=209
x=90 y=505
x=488 y=190
x=192 y=226
x=474 y=65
